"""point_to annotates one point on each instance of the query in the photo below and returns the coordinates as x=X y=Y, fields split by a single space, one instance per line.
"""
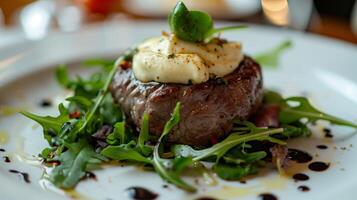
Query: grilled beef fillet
x=208 y=109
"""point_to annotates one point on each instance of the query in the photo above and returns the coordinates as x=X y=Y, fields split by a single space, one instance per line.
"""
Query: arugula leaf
x=180 y=164
x=231 y=172
x=144 y=136
x=99 y=62
x=51 y=125
x=295 y=129
x=290 y=114
x=159 y=162
x=234 y=139
x=62 y=76
x=125 y=152
x=118 y=136
x=271 y=57
x=271 y=97
x=82 y=101
x=110 y=111
x=73 y=166
x=89 y=119
x=239 y=157
x=193 y=26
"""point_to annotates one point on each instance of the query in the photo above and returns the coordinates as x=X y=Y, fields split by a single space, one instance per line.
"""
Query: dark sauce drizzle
x=267 y=196
x=90 y=175
x=303 y=188
x=140 y=193
x=7 y=159
x=327 y=132
x=2 y=150
x=299 y=156
x=24 y=175
x=206 y=198
x=45 y=103
x=318 y=166
x=321 y=146
x=300 y=177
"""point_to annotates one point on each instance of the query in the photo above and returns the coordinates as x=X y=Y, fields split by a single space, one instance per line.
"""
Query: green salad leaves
x=302 y=109
x=91 y=119
x=270 y=58
x=92 y=129
x=194 y=26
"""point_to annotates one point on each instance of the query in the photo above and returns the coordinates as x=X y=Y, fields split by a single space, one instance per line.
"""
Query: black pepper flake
x=171 y=56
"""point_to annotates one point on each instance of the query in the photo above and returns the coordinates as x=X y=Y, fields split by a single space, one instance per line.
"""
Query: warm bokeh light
x=276 y=11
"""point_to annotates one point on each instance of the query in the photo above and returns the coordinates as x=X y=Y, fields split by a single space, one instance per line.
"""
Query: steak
x=207 y=109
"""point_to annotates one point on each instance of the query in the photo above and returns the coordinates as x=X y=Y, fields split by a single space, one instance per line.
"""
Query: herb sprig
x=194 y=26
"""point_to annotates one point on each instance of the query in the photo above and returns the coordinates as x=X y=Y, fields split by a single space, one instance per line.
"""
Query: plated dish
x=136 y=141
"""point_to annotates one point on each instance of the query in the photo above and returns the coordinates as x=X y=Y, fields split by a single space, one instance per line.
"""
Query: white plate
x=324 y=69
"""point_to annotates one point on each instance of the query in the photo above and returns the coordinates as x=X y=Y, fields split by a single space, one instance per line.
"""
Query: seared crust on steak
x=208 y=109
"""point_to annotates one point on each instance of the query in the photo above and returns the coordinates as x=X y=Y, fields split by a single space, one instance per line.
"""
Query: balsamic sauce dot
x=6 y=159
x=321 y=146
x=90 y=175
x=25 y=176
x=299 y=156
x=2 y=150
x=300 y=177
x=303 y=188
x=140 y=193
x=318 y=166
x=267 y=196
x=206 y=198
x=327 y=132
x=45 y=103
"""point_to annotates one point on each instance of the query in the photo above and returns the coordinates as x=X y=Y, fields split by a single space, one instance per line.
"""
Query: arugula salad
x=92 y=128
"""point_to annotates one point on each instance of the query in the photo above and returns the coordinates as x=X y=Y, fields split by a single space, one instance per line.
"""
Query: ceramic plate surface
x=325 y=70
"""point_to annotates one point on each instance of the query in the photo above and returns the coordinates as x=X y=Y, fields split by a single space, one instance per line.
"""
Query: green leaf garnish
x=144 y=136
x=193 y=26
x=158 y=162
x=74 y=165
x=290 y=114
x=51 y=125
x=236 y=138
x=231 y=172
x=271 y=57
x=62 y=76
x=125 y=152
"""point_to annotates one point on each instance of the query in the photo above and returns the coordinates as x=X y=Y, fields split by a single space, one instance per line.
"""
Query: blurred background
x=34 y=19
